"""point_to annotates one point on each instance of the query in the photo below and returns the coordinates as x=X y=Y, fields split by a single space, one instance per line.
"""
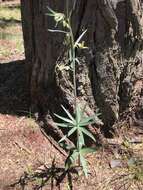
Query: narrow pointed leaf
x=86 y=132
x=68 y=113
x=98 y=114
x=51 y=10
x=85 y=151
x=81 y=139
x=79 y=38
x=87 y=119
x=70 y=55
x=86 y=123
x=66 y=146
x=71 y=159
x=71 y=131
x=77 y=60
x=62 y=139
x=74 y=156
x=64 y=119
x=50 y=14
x=84 y=165
x=60 y=31
x=78 y=114
x=63 y=125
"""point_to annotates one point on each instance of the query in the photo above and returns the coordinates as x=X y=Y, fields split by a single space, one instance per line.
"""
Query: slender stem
x=78 y=147
x=72 y=52
x=72 y=49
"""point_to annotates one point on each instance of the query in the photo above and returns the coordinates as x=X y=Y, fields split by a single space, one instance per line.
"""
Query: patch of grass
x=19 y=45
x=136 y=169
x=10 y=36
x=8 y=13
x=4 y=52
x=129 y=177
x=10 y=31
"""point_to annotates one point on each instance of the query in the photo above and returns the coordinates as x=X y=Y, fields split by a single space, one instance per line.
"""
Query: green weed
x=78 y=122
x=10 y=31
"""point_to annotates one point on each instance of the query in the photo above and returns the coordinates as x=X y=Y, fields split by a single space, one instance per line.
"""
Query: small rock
x=115 y=163
x=135 y=140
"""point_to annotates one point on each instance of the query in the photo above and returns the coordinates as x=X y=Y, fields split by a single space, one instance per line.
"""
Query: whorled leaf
x=68 y=113
x=72 y=158
x=65 y=119
x=85 y=151
x=86 y=132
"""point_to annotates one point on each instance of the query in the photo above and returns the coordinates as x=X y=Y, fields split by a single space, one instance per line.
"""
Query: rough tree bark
x=109 y=69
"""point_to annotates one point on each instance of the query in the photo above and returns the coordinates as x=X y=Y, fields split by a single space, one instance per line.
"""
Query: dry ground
x=10 y=32
x=29 y=160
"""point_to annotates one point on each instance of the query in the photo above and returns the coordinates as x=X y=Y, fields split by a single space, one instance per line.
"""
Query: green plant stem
x=78 y=122
x=78 y=147
x=72 y=49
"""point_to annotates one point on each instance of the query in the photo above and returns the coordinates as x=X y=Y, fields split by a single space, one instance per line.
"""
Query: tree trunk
x=109 y=69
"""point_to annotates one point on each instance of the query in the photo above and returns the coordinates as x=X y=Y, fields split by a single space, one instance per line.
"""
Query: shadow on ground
x=14 y=95
x=8 y=22
x=47 y=177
